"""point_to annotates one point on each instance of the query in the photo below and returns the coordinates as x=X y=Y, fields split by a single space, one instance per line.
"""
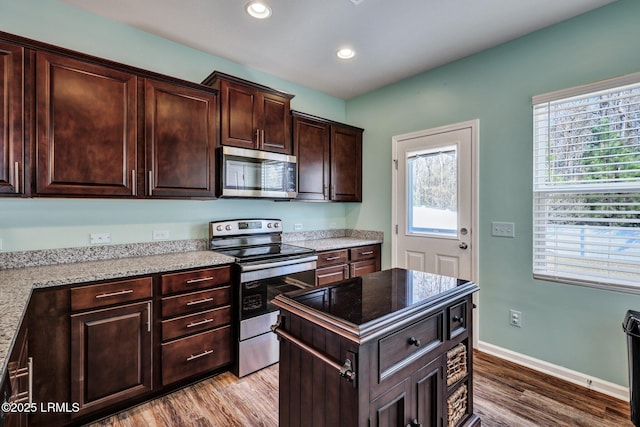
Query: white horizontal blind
x=587 y=185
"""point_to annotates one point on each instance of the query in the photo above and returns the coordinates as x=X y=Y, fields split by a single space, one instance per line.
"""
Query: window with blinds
x=586 y=185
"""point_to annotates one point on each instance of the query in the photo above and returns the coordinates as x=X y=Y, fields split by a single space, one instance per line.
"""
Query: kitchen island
x=392 y=348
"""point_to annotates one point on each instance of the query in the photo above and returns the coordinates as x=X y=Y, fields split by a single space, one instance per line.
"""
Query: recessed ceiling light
x=258 y=10
x=346 y=53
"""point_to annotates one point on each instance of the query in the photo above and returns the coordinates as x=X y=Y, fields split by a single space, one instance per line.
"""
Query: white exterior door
x=434 y=201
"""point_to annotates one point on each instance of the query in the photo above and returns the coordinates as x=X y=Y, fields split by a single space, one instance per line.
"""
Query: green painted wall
x=571 y=326
x=49 y=223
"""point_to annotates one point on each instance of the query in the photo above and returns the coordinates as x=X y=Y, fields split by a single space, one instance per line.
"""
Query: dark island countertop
x=365 y=307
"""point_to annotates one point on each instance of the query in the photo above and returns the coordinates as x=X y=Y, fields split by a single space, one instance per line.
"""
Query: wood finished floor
x=505 y=395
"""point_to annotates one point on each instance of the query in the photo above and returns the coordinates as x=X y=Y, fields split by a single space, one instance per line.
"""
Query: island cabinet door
x=393 y=408
x=427 y=395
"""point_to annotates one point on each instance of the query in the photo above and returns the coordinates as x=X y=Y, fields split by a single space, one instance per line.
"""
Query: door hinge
x=395 y=162
x=396 y=228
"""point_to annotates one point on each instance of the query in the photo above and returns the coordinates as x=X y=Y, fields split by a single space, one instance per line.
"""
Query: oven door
x=255 y=296
x=253 y=173
x=257 y=346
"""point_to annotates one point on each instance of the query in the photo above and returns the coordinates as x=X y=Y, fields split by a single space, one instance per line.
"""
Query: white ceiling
x=394 y=39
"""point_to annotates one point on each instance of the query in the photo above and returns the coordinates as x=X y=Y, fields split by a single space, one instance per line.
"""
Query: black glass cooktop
x=265 y=252
x=367 y=298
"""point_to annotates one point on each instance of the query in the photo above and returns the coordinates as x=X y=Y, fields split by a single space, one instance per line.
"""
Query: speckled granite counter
x=57 y=267
x=328 y=240
x=16 y=284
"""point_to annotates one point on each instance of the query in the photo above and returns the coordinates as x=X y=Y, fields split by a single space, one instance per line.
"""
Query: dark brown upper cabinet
x=251 y=115
x=329 y=156
x=12 y=142
x=86 y=128
x=180 y=139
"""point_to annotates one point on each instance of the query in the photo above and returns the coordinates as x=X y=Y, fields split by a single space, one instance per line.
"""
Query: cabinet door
x=274 y=124
x=110 y=355
x=427 y=394
x=346 y=164
x=311 y=142
x=393 y=408
x=179 y=140
x=86 y=128
x=239 y=114
x=11 y=119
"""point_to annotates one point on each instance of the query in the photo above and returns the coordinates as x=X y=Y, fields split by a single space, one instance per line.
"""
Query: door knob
x=463 y=245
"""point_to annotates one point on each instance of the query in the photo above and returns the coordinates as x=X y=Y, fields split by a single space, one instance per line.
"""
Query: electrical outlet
x=100 y=238
x=297 y=227
x=332 y=225
x=503 y=229
x=160 y=234
x=515 y=318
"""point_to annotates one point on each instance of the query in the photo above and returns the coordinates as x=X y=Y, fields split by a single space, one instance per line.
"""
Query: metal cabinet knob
x=414 y=341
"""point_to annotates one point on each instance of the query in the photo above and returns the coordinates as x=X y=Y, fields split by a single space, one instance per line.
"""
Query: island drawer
x=195 y=354
x=196 y=301
x=364 y=252
x=194 y=280
x=94 y=296
x=332 y=258
x=409 y=343
x=457 y=319
x=194 y=323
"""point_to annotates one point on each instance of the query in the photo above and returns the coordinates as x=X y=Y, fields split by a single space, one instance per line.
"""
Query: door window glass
x=432 y=191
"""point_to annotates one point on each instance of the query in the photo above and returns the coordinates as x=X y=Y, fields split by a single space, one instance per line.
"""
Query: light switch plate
x=160 y=234
x=503 y=229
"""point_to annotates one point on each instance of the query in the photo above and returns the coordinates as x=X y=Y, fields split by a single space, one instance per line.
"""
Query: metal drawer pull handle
x=332 y=258
x=115 y=294
x=414 y=341
x=366 y=253
x=204 y=279
x=345 y=370
x=200 y=301
x=202 y=322
x=197 y=356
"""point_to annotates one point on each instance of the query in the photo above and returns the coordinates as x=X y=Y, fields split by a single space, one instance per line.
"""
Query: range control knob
x=276 y=224
x=219 y=228
x=269 y=225
x=228 y=228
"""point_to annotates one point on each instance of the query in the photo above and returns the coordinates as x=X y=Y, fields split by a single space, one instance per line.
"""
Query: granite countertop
x=58 y=267
x=361 y=307
x=16 y=284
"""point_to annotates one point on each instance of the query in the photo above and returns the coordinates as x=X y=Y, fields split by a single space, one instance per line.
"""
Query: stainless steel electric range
x=264 y=267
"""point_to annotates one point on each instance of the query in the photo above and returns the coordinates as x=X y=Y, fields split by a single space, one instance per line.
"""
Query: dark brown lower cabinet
x=110 y=355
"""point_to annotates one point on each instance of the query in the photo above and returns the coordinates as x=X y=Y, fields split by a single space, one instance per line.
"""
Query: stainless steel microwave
x=255 y=174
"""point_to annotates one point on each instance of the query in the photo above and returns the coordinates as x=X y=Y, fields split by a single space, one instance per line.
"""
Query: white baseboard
x=588 y=381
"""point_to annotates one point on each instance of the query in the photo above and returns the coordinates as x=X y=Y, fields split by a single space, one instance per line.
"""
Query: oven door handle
x=265 y=265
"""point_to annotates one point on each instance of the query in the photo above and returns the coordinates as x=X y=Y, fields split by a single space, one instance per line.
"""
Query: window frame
x=544 y=191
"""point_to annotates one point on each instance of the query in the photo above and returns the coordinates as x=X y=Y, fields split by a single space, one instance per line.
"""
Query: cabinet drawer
x=406 y=345
x=194 y=323
x=195 y=354
x=332 y=258
x=457 y=319
x=196 y=301
x=360 y=268
x=364 y=252
x=93 y=296
x=327 y=275
x=194 y=280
